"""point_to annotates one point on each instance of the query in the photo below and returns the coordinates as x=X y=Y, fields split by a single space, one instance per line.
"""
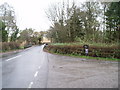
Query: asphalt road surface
x=33 y=68
x=26 y=69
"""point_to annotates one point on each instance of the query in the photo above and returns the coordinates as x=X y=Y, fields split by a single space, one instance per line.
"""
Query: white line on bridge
x=13 y=57
x=36 y=74
x=39 y=67
x=30 y=85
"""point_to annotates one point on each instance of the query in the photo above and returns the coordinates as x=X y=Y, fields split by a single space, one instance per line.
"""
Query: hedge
x=6 y=46
x=94 y=51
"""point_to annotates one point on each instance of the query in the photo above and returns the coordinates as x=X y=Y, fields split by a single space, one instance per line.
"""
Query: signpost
x=86 y=49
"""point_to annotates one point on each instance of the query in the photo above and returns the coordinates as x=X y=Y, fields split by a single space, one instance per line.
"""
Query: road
x=33 y=68
x=26 y=69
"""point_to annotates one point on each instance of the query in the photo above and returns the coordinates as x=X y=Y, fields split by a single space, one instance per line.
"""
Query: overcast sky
x=31 y=13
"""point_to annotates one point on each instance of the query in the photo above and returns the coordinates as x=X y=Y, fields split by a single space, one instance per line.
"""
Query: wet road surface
x=29 y=69
x=26 y=69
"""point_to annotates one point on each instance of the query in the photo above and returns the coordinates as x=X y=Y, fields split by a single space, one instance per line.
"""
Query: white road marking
x=30 y=85
x=36 y=74
x=39 y=67
x=13 y=57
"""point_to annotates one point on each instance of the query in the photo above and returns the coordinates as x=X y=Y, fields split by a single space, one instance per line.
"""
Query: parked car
x=27 y=46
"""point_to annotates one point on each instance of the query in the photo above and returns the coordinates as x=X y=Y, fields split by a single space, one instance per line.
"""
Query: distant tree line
x=90 y=21
x=10 y=32
x=8 y=23
x=31 y=36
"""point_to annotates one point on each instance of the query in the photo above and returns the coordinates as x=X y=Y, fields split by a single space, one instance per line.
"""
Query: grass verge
x=86 y=57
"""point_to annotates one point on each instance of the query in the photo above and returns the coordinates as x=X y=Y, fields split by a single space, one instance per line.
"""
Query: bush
x=94 y=51
x=14 y=45
x=0 y=46
x=6 y=46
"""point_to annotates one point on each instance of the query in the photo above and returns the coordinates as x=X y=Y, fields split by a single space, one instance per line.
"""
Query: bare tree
x=7 y=15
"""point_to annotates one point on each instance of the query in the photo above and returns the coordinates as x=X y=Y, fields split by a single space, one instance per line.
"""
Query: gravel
x=70 y=72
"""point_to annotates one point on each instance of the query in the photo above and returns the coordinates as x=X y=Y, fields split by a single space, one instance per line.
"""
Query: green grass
x=87 y=57
x=22 y=47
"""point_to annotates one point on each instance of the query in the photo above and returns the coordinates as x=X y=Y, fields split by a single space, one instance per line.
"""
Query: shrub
x=6 y=46
x=0 y=46
x=94 y=51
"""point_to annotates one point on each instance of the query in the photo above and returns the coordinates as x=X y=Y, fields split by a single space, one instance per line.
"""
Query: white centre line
x=13 y=57
x=39 y=67
x=36 y=74
x=30 y=85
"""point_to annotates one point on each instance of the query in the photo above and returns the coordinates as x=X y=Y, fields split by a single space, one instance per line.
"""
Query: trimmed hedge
x=6 y=46
x=94 y=51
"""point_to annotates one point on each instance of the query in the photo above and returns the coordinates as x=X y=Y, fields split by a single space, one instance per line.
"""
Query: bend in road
x=27 y=69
